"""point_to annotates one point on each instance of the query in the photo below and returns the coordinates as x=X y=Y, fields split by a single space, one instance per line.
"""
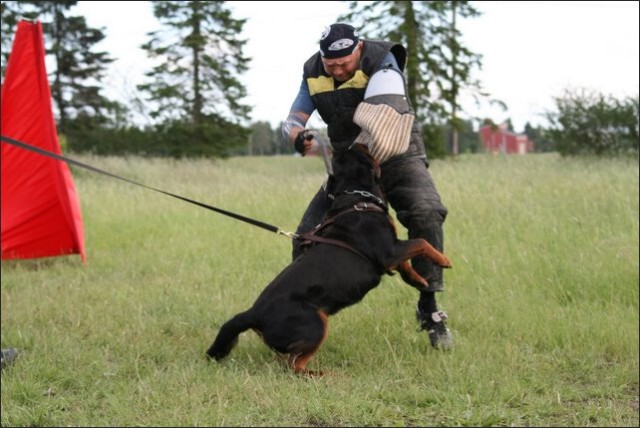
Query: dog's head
x=355 y=169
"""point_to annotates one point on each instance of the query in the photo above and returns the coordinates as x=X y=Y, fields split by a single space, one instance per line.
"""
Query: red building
x=497 y=139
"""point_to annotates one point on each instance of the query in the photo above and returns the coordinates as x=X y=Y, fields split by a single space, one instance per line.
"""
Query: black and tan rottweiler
x=347 y=255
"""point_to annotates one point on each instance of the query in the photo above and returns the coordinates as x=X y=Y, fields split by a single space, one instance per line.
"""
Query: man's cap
x=338 y=40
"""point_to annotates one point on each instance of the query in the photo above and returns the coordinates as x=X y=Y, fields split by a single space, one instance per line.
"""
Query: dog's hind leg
x=303 y=350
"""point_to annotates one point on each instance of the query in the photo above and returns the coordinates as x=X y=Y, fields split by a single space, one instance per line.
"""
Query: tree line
x=194 y=95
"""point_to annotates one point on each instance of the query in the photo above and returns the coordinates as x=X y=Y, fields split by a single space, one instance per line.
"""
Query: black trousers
x=411 y=192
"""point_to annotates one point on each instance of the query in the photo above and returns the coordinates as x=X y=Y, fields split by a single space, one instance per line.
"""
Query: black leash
x=100 y=171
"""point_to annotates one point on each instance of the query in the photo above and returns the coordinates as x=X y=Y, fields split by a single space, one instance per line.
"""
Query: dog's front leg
x=420 y=247
x=406 y=250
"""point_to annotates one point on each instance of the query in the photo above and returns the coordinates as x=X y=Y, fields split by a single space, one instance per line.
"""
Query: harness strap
x=360 y=207
x=310 y=237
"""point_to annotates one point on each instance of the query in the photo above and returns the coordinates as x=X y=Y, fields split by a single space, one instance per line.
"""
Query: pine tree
x=199 y=59
x=77 y=67
x=10 y=14
x=194 y=89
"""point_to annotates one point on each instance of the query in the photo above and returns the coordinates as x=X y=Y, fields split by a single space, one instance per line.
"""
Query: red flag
x=40 y=208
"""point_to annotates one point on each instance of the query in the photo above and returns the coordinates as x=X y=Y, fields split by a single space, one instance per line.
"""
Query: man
x=358 y=88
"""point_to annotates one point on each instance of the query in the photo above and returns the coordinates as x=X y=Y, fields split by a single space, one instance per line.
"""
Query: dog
x=346 y=257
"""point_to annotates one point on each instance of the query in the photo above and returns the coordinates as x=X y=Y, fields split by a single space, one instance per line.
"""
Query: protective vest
x=336 y=102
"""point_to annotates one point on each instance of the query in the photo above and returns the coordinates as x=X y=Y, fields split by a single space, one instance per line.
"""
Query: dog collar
x=366 y=195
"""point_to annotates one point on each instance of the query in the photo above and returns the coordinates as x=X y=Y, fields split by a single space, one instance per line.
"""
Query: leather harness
x=310 y=237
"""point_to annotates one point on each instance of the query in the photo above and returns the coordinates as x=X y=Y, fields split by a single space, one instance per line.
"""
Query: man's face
x=343 y=69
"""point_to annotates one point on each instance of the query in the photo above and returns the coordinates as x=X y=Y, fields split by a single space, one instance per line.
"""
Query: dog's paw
x=312 y=374
x=445 y=262
x=410 y=276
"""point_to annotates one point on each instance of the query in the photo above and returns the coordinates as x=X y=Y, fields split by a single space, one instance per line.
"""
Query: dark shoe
x=439 y=335
x=8 y=355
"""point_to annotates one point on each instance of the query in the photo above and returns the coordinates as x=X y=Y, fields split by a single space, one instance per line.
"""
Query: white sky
x=532 y=50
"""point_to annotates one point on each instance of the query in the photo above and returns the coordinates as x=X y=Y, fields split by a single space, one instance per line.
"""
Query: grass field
x=543 y=300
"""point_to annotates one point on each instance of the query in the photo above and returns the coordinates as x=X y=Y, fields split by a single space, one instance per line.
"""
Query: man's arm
x=385 y=116
x=293 y=126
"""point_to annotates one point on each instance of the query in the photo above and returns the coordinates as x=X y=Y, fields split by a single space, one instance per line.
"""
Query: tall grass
x=543 y=300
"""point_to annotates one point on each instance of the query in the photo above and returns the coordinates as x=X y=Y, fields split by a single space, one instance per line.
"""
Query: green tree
x=540 y=140
x=199 y=57
x=588 y=122
x=438 y=64
x=10 y=12
x=78 y=68
x=263 y=139
x=469 y=140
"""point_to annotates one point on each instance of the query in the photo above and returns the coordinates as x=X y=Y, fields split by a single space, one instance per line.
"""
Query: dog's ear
x=376 y=168
x=362 y=147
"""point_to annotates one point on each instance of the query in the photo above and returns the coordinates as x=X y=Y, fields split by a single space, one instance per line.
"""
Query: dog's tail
x=228 y=335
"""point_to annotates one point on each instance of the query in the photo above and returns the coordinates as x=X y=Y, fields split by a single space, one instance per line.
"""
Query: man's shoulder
x=312 y=64
x=378 y=50
x=314 y=58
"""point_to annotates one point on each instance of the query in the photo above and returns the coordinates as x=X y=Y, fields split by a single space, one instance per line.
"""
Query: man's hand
x=303 y=141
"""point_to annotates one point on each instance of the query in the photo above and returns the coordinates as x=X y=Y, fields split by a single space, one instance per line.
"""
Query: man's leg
x=413 y=195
